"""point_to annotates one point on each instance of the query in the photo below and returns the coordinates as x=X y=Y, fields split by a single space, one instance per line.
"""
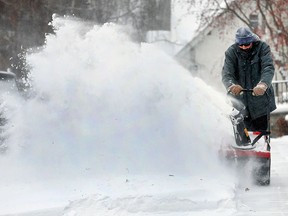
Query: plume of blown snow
x=106 y=104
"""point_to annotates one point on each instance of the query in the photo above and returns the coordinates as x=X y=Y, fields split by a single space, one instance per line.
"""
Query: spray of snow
x=107 y=106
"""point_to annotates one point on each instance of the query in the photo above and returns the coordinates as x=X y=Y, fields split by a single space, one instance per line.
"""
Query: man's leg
x=248 y=122
x=260 y=123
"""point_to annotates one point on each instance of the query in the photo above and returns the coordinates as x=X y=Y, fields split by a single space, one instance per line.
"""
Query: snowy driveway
x=249 y=199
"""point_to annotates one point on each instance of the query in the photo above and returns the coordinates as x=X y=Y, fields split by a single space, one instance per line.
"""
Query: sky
x=115 y=128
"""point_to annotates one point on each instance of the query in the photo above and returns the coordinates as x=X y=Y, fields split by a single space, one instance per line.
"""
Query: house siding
x=204 y=55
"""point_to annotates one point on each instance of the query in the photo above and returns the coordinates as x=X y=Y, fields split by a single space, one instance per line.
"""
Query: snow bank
x=105 y=106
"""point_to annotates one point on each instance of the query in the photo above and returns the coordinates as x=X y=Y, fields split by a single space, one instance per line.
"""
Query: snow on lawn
x=118 y=125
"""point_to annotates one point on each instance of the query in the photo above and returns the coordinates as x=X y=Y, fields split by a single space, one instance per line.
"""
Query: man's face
x=245 y=46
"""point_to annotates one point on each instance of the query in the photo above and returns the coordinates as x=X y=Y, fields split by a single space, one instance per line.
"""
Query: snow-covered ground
x=116 y=128
x=155 y=195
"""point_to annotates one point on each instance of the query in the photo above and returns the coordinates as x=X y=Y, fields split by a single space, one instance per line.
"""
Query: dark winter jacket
x=248 y=69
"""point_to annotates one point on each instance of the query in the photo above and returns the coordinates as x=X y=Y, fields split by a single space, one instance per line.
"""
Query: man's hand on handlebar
x=260 y=89
x=235 y=89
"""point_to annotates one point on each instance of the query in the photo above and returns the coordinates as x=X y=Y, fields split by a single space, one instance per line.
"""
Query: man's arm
x=267 y=65
x=229 y=69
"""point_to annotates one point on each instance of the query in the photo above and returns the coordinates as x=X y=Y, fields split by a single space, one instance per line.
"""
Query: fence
x=281 y=91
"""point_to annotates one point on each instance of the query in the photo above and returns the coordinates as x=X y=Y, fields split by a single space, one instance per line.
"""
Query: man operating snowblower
x=247 y=75
x=249 y=66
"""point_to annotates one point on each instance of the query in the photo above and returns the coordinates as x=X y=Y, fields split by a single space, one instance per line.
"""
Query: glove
x=235 y=89
x=260 y=89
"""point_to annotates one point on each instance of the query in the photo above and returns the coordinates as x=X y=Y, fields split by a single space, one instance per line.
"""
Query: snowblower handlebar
x=246 y=91
x=242 y=91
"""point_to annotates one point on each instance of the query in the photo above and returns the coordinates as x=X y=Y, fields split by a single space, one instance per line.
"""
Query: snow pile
x=105 y=106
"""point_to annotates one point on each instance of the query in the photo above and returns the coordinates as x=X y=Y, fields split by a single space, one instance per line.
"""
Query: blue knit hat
x=244 y=36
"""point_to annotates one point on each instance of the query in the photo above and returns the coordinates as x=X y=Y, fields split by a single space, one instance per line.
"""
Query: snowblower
x=251 y=148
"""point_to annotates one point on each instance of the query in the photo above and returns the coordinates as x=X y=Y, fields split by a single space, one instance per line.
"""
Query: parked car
x=7 y=86
x=7 y=82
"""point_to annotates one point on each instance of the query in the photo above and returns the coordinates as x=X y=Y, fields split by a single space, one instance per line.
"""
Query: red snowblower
x=251 y=148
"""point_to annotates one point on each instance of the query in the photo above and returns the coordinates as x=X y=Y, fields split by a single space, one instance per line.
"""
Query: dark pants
x=257 y=124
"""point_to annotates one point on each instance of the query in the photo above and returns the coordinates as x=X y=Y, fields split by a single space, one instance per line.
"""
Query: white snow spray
x=106 y=105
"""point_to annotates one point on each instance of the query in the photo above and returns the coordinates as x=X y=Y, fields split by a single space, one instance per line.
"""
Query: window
x=254 y=20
